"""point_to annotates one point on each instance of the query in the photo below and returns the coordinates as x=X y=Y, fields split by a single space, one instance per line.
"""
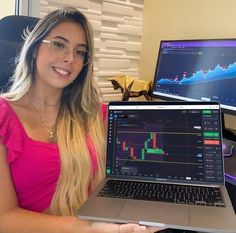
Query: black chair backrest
x=11 y=40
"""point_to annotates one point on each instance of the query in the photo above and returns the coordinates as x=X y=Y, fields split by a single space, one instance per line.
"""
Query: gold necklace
x=52 y=134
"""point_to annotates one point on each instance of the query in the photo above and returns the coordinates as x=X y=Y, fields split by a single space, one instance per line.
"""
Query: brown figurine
x=131 y=87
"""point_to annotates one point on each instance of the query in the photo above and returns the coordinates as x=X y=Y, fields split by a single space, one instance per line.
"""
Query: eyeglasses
x=60 y=49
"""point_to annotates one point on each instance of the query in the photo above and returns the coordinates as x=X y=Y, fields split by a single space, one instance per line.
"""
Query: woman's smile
x=61 y=71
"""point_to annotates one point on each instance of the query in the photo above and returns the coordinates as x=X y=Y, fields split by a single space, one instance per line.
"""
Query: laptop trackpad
x=101 y=209
x=155 y=212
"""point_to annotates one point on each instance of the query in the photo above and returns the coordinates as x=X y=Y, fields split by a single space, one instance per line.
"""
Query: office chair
x=11 y=40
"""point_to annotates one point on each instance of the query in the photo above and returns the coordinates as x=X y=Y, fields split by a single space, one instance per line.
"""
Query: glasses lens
x=58 y=46
x=82 y=55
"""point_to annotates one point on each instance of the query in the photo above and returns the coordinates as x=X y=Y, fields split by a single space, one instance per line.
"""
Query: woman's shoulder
x=3 y=101
x=10 y=129
x=10 y=109
x=7 y=112
x=5 y=109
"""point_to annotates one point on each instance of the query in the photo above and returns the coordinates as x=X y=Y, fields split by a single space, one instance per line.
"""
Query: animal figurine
x=131 y=87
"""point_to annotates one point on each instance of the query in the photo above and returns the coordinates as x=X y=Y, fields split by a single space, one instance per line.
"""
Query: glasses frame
x=86 y=60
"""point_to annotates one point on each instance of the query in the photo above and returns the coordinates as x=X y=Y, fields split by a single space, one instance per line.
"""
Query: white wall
x=7 y=8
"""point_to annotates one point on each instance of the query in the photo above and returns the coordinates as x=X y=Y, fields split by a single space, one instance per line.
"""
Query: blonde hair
x=79 y=119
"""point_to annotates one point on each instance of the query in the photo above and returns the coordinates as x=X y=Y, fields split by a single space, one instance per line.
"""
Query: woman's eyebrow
x=66 y=40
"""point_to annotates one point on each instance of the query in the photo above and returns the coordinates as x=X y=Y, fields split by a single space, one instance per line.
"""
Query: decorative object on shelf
x=132 y=87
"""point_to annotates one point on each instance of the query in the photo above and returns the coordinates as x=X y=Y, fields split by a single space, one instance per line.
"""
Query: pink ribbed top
x=34 y=165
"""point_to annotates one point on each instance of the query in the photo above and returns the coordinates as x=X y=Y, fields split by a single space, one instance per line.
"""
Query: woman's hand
x=102 y=227
x=135 y=228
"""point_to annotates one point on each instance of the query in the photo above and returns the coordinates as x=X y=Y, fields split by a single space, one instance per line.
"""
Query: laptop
x=164 y=167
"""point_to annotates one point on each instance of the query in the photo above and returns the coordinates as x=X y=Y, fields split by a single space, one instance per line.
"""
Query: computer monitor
x=198 y=70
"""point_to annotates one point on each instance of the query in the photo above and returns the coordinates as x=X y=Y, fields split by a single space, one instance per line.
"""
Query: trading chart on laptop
x=168 y=144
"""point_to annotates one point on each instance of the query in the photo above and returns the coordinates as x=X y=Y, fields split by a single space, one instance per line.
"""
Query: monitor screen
x=197 y=70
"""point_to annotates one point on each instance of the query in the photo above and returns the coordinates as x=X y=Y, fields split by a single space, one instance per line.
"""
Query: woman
x=52 y=132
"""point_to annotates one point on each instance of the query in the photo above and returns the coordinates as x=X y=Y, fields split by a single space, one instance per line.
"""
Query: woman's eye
x=81 y=53
x=58 y=44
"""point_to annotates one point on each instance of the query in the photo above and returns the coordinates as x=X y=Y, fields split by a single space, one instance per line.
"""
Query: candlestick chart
x=141 y=145
x=157 y=140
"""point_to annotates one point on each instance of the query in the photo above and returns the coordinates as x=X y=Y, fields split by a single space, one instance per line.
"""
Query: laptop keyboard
x=182 y=194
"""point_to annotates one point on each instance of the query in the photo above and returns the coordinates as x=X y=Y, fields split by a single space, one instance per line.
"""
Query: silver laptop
x=164 y=168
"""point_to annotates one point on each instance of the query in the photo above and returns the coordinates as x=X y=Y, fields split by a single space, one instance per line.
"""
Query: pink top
x=34 y=165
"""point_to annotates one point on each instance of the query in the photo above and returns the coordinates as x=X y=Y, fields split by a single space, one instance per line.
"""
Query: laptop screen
x=165 y=141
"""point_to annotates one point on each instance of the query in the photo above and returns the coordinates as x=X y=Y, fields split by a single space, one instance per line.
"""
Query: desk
x=230 y=176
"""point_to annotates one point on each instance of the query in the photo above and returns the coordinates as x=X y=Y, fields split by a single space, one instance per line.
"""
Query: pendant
x=52 y=136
